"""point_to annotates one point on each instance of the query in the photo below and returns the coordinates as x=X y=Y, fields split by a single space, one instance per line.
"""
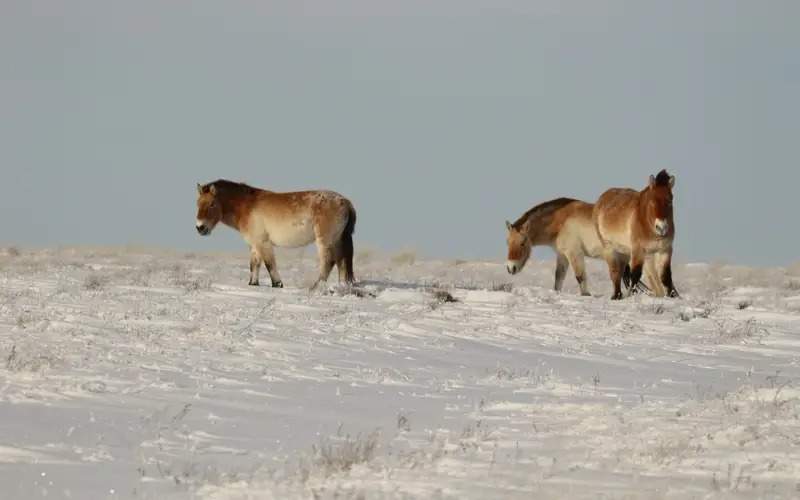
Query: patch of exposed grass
x=731 y=331
x=502 y=287
x=340 y=454
x=94 y=282
x=17 y=361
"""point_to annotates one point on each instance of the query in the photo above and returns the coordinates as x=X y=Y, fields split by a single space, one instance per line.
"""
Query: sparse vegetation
x=340 y=454
x=443 y=297
x=502 y=287
x=12 y=252
x=189 y=281
x=729 y=331
x=404 y=258
x=94 y=282
x=403 y=423
x=363 y=257
x=17 y=361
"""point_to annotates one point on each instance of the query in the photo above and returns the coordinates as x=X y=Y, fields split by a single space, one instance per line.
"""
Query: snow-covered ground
x=127 y=373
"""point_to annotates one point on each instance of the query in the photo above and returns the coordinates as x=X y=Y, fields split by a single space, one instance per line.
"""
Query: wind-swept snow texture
x=147 y=374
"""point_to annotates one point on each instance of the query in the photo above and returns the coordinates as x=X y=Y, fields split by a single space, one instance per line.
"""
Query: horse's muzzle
x=661 y=227
x=512 y=268
x=203 y=229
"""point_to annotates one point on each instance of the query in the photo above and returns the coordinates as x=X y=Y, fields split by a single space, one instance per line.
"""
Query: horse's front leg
x=562 y=264
x=664 y=265
x=255 y=266
x=637 y=268
x=653 y=276
x=579 y=266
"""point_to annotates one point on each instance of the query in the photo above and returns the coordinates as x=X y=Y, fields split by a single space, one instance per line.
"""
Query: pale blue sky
x=439 y=119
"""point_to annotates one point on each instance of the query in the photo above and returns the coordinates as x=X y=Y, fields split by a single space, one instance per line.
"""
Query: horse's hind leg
x=615 y=266
x=327 y=258
x=579 y=266
x=562 y=264
x=268 y=256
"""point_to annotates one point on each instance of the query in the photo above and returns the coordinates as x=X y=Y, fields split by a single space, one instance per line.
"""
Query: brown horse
x=639 y=226
x=566 y=226
x=266 y=219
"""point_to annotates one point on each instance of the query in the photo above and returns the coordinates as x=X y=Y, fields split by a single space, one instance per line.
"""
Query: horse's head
x=209 y=209
x=658 y=204
x=519 y=247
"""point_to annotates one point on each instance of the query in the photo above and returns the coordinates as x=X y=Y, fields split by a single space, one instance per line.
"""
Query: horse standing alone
x=567 y=227
x=266 y=219
x=639 y=224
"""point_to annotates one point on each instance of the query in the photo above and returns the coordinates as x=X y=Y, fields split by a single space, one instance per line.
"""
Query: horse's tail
x=347 y=243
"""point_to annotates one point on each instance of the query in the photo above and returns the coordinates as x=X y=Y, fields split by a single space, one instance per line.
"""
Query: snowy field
x=128 y=373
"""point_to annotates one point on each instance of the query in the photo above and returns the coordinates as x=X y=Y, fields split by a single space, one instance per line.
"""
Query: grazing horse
x=266 y=219
x=639 y=226
x=566 y=226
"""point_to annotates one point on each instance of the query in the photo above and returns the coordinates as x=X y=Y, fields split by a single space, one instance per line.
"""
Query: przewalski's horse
x=266 y=219
x=566 y=226
x=639 y=224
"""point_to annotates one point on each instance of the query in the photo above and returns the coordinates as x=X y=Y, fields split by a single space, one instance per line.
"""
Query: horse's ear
x=671 y=181
x=652 y=181
x=509 y=225
x=199 y=188
x=212 y=189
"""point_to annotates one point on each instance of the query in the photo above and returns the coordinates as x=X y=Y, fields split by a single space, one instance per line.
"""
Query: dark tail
x=347 y=244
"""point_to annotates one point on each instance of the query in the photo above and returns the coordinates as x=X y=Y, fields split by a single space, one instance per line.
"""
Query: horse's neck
x=641 y=207
x=232 y=209
x=536 y=229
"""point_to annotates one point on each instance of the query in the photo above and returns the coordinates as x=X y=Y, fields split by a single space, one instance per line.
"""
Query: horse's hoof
x=253 y=283
x=277 y=284
x=616 y=296
x=586 y=294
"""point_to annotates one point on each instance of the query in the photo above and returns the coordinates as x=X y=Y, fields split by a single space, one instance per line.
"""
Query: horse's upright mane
x=230 y=188
x=662 y=179
x=542 y=210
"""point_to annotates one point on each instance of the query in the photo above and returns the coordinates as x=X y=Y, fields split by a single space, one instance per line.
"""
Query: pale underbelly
x=290 y=235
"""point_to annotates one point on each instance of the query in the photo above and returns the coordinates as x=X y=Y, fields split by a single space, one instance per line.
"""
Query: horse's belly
x=580 y=236
x=298 y=233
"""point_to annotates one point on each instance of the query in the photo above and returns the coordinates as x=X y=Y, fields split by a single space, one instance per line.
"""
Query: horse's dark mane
x=542 y=210
x=228 y=188
x=662 y=179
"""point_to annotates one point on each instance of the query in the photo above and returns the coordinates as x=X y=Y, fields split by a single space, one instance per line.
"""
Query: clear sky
x=439 y=119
